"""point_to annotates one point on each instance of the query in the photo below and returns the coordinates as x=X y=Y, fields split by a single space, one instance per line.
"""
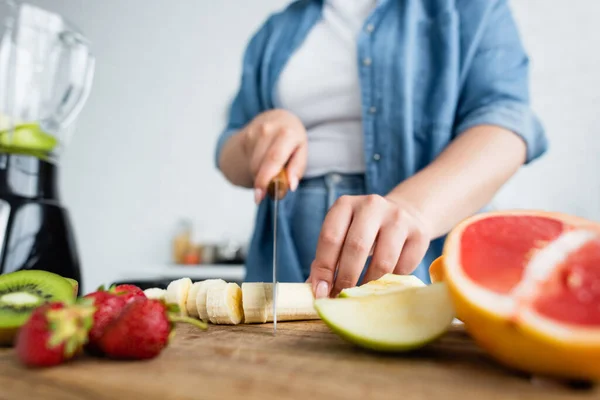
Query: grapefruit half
x=526 y=284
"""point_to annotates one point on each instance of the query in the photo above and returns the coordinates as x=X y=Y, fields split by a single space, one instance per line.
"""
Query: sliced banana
x=201 y=296
x=190 y=304
x=177 y=293
x=255 y=303
x=224 y=304
x=155 y=293
x=294 y=302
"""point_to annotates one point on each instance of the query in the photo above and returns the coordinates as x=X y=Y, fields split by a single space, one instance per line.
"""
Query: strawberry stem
x=196 y=322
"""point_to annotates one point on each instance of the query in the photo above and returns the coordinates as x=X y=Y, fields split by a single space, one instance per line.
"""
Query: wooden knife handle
x=284 y=185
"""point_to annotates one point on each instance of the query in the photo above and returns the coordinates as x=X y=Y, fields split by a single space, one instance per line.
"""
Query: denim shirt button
x=370 y=28
x=376 y=156
x=372 y=110
x=367 y=61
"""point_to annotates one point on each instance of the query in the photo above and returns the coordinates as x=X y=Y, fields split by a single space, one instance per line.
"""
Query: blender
x=46 y=72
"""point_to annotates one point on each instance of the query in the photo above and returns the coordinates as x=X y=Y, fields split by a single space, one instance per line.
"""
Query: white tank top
x=320 y=85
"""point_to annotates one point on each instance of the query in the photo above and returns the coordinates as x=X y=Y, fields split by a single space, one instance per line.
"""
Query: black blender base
x=38 y=236
x=35 y=231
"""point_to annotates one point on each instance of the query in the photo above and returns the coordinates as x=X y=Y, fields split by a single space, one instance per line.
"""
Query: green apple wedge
x=386 y=284
x=395 y=322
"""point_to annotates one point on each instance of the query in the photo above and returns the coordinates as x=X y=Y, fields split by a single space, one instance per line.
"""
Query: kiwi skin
x=75 y=285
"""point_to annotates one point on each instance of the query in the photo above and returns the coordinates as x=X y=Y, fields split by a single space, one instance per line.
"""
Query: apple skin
x=433 y=300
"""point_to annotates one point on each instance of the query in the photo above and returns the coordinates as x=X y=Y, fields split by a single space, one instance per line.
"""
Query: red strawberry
x=128 y=291
x=108 y=306
x=54 y=333
x=142 y=330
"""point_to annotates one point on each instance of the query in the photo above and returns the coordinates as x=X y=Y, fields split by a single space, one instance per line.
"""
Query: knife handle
x=284 y=185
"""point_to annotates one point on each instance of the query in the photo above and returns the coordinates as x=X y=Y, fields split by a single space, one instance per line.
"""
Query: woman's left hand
x=358 y=226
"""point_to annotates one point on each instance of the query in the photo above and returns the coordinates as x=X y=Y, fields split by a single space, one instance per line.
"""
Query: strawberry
x=128 y=291
x=142 y=330
x=108 y=306
x=53 y=334
x=125 y=290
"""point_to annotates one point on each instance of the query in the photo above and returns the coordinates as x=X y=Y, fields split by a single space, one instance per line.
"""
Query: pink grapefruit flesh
x=495 y=251
x=572 y=294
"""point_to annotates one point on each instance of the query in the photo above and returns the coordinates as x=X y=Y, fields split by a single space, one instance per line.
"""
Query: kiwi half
x=74 y=285
x=22 y=291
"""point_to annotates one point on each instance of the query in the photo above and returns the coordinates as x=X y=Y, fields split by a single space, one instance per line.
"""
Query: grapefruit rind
x=395 y=322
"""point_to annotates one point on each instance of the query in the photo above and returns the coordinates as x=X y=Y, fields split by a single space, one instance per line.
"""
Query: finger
x=263 y=140
x=412 y=253
x=359 y=240
x=387 y=252
x=329 y=246
x=296 y=166
x=278 y=154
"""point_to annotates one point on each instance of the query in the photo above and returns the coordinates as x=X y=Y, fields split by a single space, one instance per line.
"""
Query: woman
x=394 y=119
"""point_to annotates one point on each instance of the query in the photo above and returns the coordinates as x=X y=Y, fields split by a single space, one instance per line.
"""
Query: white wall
x=142 y=156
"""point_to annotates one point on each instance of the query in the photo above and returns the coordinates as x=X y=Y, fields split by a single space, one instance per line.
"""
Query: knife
x=278 y=188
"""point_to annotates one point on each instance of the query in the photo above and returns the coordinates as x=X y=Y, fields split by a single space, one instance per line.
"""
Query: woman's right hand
x=273 y=140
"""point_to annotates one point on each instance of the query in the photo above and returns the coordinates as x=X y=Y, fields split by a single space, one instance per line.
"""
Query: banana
x=177 y=293
x=294 y=302
x=224 y=304
x=190 y=303
x=388 y=283
x=155 y=293
x=200 y=299
x=255 y=304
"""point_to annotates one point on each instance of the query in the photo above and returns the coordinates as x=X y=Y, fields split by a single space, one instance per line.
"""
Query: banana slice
x=224 y=304
x=190 y=304
x=295 y=302
x=155 y=293
x=201 y=296
x=255 y=303
x=177 y=293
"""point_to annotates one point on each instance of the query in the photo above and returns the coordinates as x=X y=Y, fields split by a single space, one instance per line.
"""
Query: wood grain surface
x=303 y=361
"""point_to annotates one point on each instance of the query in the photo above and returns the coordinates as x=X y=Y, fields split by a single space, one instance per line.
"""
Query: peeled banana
x=219 y=302
x=190 y=303
x=224 y=304
x=155 y=293
x=177 y=293
x=200 y=297
x=294 y=302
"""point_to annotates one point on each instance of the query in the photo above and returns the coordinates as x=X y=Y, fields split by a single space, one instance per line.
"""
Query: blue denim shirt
x=428 y=69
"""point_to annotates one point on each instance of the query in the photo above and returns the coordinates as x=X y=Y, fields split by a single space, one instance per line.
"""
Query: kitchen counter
x=303 y=360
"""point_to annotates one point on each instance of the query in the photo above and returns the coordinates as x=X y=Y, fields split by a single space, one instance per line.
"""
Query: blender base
x=35 y=230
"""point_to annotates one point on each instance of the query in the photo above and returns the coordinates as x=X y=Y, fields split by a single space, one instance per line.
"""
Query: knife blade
x=277 y=190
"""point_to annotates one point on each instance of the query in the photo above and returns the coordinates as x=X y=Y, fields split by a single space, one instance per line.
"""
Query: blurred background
x=138 y=172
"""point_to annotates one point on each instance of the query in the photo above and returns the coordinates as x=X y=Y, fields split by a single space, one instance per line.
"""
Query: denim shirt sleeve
x=495 y=86
x=247 y=102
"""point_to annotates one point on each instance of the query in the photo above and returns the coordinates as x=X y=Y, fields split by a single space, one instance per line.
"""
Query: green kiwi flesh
x=22 y=291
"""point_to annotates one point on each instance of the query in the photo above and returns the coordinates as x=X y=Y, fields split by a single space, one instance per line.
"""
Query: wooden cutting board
x=303 y=361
